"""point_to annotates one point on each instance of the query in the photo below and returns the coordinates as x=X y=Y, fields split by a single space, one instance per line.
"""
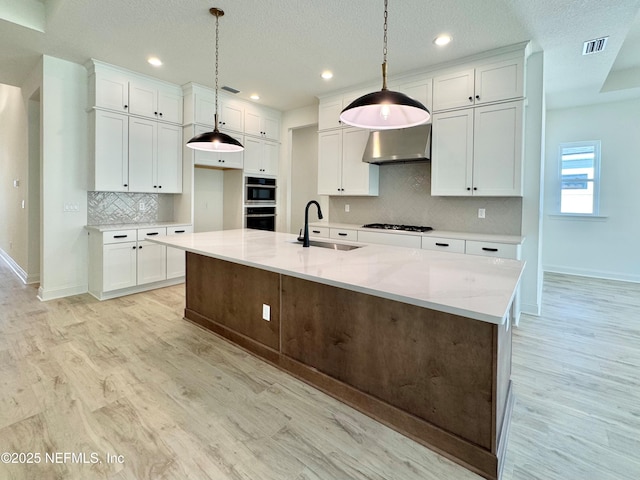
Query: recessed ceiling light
x=327 y=75
x=442 y=40
x=255 y=96
x=155 y=61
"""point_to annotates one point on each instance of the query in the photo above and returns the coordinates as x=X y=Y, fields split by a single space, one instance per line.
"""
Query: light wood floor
x=129 y=377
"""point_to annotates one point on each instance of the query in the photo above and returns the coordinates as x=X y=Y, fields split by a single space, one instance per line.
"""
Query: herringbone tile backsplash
x=405 y=198
x=109 y=208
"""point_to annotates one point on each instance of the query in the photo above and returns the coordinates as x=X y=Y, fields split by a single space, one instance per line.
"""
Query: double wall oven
x=260 y=203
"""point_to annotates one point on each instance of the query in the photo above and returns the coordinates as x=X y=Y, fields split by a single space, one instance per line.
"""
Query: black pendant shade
x=215 y=141
x=385 y=110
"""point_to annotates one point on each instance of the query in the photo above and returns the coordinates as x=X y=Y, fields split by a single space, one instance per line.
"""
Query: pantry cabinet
x=478 y=151
x=109 y=140
x=341 y=170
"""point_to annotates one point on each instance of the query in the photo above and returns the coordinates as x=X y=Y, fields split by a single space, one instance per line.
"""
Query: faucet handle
x=300 y=237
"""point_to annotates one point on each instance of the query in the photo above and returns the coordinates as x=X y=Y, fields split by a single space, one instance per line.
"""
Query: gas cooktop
x=389 y=226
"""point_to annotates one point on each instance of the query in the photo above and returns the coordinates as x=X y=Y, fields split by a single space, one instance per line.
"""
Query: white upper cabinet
x=260 y=156
x=478 y=151
x=420 y=90
x=261 y=122
x=109 y=89
x=231 y=115
x=486 y=83
x=341 y=170
x=155 y=156
x=330 y=108
x=152 y=100
x=109 y=134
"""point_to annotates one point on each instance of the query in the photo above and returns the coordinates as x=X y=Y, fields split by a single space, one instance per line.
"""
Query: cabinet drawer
x=319 y=232
x=491 y=249
x=179 y=230
x=343 y=234
x=119 y=236
x=453 y=245
x=147 y=233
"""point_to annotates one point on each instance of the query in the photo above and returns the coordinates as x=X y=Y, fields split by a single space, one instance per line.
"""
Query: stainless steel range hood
x=399 y=146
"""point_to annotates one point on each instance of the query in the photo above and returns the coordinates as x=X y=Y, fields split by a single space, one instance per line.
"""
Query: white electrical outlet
x=142 y=207
x=266 y=312
x=346 y=207
x=481 y=213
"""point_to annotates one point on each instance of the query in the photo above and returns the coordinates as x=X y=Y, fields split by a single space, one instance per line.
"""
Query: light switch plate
x=481 y=213
x=266 y=312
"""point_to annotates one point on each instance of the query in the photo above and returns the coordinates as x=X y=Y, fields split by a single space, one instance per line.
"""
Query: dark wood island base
x=440 y=379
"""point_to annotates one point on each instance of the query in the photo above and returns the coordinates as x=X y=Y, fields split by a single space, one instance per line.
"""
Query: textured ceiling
x=278 y=48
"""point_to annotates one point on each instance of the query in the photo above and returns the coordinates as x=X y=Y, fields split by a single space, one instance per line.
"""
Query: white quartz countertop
x=472 y=286
x=479 y=237
x=132 y=226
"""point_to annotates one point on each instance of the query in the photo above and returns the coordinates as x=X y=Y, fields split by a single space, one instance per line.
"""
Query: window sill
x=579 y=217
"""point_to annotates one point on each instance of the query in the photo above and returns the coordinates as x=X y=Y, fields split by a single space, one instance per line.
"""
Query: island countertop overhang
x=481 y=288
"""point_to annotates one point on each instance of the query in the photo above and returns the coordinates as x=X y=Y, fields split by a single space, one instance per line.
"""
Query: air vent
x=594 y=46
x=230 y=89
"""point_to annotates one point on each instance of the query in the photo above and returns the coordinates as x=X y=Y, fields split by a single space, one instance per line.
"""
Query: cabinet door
x=418 y=90
x=232 y=159
x=497 y=154
x=329 y=113
x=270 y=158
x=168 y=167
x=119 y=266
x=499 y=81
x=453 y=90
x=111 y=156
x=142 y=154
x=253 y=122
x=151 y=262
x=112 y=91
x=356 y=174
x=205 y=105
x=253 y=153
x=329 y=162
x=271 y=127
x=169 y=106
x=452 y=153
x=231 y=115
x=175 y=256
x=143 y=99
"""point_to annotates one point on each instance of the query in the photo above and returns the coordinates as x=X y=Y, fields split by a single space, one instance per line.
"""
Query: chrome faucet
x=305 y=238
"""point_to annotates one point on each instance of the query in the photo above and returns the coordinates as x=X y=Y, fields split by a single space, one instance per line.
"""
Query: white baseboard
x=584 y=272
x=137 y=289
x=61 y=292
x=17 y=269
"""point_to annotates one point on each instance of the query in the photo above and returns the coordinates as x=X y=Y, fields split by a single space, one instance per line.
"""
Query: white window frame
x=596 y=177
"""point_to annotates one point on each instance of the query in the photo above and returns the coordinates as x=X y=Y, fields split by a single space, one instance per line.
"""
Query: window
x=579 y=177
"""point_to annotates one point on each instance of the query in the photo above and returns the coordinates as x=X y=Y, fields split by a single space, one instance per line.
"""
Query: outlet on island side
x=266 y=312
x=481 y=213
x=346 y=207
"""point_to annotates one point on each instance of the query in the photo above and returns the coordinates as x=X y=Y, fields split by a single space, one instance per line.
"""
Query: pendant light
x=386 y=109
x=215 y=141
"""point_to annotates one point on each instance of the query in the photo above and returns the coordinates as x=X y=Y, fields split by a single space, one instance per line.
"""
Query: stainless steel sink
x=332 y=245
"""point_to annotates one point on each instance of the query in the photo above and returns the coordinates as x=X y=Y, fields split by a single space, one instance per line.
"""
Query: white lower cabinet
x=343 y=234
x=176 y=257
x=493 y=249
x=124 y=261
x=322 y=232
x=452 y=245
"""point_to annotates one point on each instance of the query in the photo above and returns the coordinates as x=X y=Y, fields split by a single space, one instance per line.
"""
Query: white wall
x=64 y=178
x=605 y=247
x=531 y=283
x=13 y=166
x=304 y=174
x=291 y=120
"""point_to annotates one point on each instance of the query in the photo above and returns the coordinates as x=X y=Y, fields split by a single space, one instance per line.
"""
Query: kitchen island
x=418 y=340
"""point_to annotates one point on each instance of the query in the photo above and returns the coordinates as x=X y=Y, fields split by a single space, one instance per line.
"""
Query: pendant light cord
x=216 y=119
x=384 y=48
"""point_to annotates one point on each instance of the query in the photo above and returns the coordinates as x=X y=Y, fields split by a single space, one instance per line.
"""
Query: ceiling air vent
x=230 y=89
x=594 y=46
